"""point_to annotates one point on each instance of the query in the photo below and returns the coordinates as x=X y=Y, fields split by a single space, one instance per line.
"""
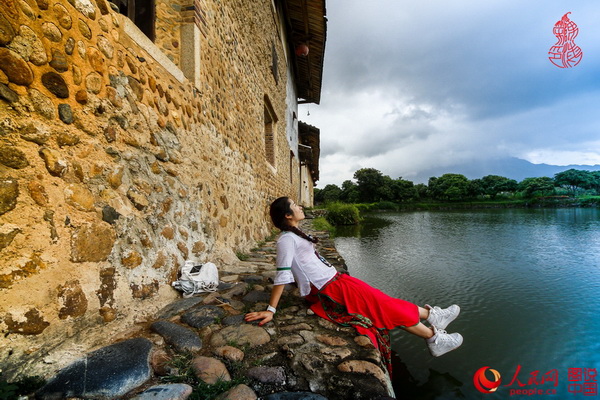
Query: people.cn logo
x=485 y=385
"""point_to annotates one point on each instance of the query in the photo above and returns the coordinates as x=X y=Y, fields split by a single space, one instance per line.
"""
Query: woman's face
x=297 y=213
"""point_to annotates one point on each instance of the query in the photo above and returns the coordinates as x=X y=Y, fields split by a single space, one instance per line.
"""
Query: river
x=527 y=282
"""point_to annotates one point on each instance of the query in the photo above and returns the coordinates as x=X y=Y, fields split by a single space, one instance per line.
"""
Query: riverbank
x=539 y=202
x=201 y=348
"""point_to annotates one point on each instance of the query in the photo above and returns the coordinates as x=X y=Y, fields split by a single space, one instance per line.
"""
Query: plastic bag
x=197 y=278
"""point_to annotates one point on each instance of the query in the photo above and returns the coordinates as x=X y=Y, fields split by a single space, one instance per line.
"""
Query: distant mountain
x=513 y=168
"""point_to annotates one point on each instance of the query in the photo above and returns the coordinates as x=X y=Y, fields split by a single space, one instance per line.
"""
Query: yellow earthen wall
x=113 y=173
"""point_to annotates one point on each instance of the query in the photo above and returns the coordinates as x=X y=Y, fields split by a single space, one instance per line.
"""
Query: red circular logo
x=483 y=384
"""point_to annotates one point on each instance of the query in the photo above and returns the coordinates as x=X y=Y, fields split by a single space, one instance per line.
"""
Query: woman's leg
x=420 y=330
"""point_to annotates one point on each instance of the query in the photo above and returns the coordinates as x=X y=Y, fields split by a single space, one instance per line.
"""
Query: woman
x=344 y=299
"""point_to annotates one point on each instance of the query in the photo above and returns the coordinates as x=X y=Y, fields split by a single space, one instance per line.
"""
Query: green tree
x=449 y=187
x=403 y=190
x=476 y=188
x=330 y=193
x=494 y=184
x=421 y=191
x=433 y=190
x=533 y=186
x=350 y=192
x=574 y=179
x=595 y=181
x=369 y=182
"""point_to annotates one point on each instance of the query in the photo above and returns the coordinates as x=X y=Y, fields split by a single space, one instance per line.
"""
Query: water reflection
x=439 y=385
x=369 y=227
x=527 y=281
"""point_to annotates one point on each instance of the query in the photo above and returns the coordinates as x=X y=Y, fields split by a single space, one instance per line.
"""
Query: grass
x=321 y=224
x=24 y=386
x=181 y=364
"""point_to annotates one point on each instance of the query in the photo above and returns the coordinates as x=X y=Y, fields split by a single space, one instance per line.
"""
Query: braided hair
x=278 y=211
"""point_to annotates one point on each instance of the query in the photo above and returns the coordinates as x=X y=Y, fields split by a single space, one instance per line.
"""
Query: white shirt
x=297 y=261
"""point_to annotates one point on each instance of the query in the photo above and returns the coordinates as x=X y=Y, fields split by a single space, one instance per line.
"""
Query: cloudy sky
x=412 y=85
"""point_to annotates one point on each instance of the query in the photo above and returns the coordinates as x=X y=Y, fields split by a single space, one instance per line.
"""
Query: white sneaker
x=441 y=318
x=443 y=342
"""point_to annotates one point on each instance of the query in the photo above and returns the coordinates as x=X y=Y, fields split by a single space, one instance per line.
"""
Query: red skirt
x=348 y=301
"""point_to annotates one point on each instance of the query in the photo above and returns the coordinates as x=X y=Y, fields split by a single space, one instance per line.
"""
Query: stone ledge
x=297 y=352
x=147 y=45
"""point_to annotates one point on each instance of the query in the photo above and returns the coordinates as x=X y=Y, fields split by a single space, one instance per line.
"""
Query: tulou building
x=135 y=135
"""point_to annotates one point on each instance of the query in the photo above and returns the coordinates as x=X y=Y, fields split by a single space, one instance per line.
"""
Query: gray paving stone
x=179 y=306
x=181 y=338
x=202 y=316
x=107 y=373
x=176 y=391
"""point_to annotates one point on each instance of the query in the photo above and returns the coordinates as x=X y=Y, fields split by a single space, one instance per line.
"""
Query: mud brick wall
x=113 y=171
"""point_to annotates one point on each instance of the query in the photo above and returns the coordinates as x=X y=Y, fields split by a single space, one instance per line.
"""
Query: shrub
x=386 y=205
x=342 y=214
x=364 y=207
x=321 y=224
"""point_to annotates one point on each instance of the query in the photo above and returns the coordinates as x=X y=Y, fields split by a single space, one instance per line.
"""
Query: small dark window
x=291 y=167
x=270 y=120
x=274 y=63
x=141 y=12
x=269 y=138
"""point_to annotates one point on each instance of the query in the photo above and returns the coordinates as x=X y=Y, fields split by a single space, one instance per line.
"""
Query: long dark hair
x=278 y=211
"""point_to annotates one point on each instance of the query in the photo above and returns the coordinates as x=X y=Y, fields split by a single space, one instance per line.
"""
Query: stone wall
x=114 y=170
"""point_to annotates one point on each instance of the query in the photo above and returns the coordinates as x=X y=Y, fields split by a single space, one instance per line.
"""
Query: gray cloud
x=410 y=85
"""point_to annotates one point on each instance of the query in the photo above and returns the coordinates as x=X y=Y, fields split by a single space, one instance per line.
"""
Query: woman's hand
x=265 y=316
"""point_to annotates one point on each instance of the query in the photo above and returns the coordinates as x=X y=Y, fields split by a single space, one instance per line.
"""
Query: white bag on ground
x=197 y=278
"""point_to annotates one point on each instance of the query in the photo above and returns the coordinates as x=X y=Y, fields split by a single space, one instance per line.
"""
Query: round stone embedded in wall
x=103 y=24
x=42 y=4
x=136 y=88
x=96 y=60
x=81 y=49
x=16 y=69
x=93 y=82
x=106 y=47
x=85 y=7
x=79 y=197
x=76 y=75
x=113 y=96
x=7 y=32
x=81 y=96
x=62 y=15
x=9 y=192
x=55 y=164
x=29 y=46
x=37 y=133
x=8 y=94
x=102 y=7
x=55 y=84
x=65 y=113
x=70 y=46
x=59 y=61
x=84 y=29
x=26 y=8
x=67 y=139
x=13 y=157
x=42 y=103
x=51 y=31
x=38 y=193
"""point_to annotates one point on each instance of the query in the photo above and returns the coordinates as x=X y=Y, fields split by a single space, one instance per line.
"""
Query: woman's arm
x=267 y=316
